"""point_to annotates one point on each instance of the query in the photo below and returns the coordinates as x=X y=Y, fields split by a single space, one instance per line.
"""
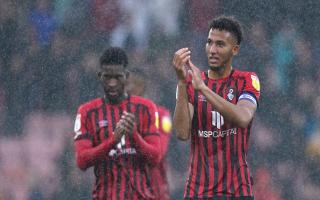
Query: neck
x=222 y=72
x=116 y=100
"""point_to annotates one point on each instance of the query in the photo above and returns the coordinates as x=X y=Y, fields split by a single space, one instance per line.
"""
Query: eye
x=220 y=44
x=209 y=41
x=106 y=76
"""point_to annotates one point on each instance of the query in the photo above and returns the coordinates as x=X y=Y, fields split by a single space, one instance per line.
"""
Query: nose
x=213 y=48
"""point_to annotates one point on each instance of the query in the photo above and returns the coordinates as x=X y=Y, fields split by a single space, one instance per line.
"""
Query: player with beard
x=215 y=109
x=117 y=135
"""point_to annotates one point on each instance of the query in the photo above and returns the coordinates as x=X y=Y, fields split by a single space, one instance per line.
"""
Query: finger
x=129 y=115
x=180 y=51
x=179 y=55
x=193 y=67
x=184 y=61
x=128 y=123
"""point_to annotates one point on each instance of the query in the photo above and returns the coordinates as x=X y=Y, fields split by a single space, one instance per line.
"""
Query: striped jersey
x=124 y=171
x=218 y=156
x=159 y=171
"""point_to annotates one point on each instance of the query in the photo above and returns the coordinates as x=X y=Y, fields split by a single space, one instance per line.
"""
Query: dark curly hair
x=229 y=24
x=114 y=56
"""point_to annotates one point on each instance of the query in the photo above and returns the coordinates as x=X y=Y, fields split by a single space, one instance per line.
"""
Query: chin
x=216 y=68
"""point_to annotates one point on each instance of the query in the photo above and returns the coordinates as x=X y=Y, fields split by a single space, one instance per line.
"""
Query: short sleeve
x=150 y=120
x=251 y=88
x=81 y=125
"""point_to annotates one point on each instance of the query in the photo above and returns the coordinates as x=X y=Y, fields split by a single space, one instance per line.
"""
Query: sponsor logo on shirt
x=118 y=152
x=218 y=133
x=217 y=119
x=230 y=94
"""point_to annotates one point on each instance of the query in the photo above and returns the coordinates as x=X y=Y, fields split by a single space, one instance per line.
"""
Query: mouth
x=213 y=60
x=113 y=93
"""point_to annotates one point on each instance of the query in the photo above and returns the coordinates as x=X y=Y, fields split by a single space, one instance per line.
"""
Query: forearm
x=238 y=115
x=89 y=156
x=181 y=117
x=150 y=149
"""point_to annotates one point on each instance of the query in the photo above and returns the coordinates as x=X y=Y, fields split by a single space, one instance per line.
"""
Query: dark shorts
x=222 y=198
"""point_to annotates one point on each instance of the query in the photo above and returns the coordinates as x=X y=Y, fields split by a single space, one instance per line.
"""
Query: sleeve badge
x=255 y=82
x=166 y=124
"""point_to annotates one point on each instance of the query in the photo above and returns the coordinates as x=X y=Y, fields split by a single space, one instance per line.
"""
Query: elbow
x=154 y=160
x=243 y=123
x=182 y=137
x=81 y=164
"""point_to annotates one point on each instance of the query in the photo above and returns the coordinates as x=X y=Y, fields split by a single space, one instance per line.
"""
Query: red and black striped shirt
x=159 y=171
x=218 y=155
x=122 y=170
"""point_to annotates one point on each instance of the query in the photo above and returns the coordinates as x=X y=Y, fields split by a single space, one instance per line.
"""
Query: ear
x=99 y=75
x=235 y=49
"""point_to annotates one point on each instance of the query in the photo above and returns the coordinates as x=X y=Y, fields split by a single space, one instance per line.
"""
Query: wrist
x=182 y=83
x=202 y=87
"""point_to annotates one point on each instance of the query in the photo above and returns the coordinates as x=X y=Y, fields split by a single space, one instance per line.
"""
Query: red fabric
x=159 y=171
x=218 y=154
x=122 y=169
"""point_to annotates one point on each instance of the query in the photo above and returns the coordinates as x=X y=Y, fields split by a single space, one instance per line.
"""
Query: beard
x=217 y=68
x=221 y=67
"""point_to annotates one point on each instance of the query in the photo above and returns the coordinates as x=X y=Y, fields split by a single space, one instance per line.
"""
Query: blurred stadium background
x=48 y=56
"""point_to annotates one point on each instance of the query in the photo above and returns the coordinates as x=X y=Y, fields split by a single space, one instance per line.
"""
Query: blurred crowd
x=49 y=54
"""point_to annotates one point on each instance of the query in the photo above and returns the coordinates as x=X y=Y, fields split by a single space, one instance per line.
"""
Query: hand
x=195 y=73
x=119 y=131
x=179 y=62
x=128 y=122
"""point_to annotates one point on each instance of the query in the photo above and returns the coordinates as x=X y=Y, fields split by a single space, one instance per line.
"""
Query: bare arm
x=183 y=113
x=240 y=114
x=184 y=110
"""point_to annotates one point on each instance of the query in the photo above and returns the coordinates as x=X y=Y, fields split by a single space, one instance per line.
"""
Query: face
x=220 y=48
x=113 y=79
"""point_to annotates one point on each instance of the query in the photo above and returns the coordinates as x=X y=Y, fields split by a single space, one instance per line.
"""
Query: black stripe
x=89 y=120
x=205 y=142
x=126 y=160
x=199 y=163
x=150 y=134
x=232 y=158
x=142 y=176
x=134 y=160
x=105 y=112
x=149 y=119
x=104 y=163
x=138 y=117
x=233 y=149
x=215 y=150
x=240 y=131
x=222 y=92
x=238 y=167
x=148 y=181
x=96 y=119
x=244 y=161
